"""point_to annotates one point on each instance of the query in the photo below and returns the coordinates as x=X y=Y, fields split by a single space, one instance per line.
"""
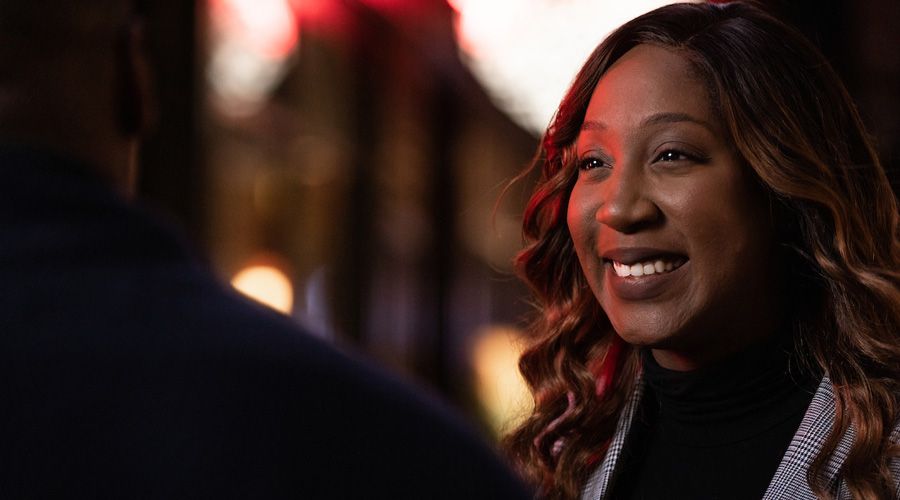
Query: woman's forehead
x=647 y=85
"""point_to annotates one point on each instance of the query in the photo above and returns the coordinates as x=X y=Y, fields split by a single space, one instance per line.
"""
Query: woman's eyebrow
x=653 y=120
x=676 y=118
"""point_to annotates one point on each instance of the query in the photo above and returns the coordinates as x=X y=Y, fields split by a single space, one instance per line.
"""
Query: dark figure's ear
x=136 y=98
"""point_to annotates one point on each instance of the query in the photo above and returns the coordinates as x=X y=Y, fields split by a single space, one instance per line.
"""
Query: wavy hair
x=835 y=215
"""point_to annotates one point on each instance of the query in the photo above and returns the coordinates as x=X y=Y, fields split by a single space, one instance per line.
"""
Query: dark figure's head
x=74 y=79
x=812 y=209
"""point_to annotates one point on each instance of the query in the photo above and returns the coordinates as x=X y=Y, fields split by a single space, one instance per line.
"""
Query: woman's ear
x=136 y=96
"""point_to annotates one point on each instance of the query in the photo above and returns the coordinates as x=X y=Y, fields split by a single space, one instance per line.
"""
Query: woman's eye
x=590 y=164
x=674 y=155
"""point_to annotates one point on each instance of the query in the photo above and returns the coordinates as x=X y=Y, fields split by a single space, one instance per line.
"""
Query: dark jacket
x=127 y=370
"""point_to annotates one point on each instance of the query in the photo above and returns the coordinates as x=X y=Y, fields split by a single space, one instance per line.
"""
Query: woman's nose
x=626 y=205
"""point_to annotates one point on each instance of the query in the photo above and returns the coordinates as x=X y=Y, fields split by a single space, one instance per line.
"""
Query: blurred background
x=342 y=160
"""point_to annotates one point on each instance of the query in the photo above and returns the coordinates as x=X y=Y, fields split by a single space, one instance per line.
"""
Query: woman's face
x=672 y=233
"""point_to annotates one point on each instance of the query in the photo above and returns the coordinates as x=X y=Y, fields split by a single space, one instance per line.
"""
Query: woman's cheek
x=577 y=216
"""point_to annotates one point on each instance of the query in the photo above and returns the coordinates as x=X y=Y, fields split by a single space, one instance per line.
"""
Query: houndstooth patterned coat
x=789 y=482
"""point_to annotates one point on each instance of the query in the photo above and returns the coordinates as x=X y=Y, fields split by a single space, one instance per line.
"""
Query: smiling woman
x=660 y=184
x=714 y=247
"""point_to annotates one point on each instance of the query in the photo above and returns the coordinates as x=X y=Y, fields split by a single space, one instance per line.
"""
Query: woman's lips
x=645 y=279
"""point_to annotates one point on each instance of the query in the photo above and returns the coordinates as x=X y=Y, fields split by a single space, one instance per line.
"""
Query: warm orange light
x=501 y=390
x=268 y=285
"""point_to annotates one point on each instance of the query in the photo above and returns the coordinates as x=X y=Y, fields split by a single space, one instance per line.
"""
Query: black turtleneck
x=716 y=433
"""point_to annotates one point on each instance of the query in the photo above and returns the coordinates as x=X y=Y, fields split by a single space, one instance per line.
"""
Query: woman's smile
x=648 y=268
x=642 y=281
x=642 y=261
x=641 y=273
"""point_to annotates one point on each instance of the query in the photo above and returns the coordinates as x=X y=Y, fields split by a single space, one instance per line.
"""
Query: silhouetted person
x=126 y=369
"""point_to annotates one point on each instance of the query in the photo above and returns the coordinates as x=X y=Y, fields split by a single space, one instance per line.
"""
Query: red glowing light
x=268 y=27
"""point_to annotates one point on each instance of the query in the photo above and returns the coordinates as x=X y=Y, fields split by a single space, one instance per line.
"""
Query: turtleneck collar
x=739 y=398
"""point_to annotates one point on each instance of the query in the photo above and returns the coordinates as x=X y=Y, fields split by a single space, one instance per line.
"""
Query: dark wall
x=861 y=40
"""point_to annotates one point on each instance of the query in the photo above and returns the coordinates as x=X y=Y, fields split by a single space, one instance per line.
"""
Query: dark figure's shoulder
x=130 y=371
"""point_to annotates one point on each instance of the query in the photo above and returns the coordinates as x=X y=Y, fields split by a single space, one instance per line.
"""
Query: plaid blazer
x=789 y=482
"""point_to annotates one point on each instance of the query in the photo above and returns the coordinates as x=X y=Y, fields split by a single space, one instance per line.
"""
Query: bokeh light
x=501 y=390
x=526 y=52
x=251 y=43
x=266 y=284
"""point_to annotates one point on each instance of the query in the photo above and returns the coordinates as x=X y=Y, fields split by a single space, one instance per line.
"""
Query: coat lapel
x=598 y=484
x=790 y=480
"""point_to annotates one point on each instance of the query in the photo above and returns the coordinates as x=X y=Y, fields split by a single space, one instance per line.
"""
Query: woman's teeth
x=646 y=268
